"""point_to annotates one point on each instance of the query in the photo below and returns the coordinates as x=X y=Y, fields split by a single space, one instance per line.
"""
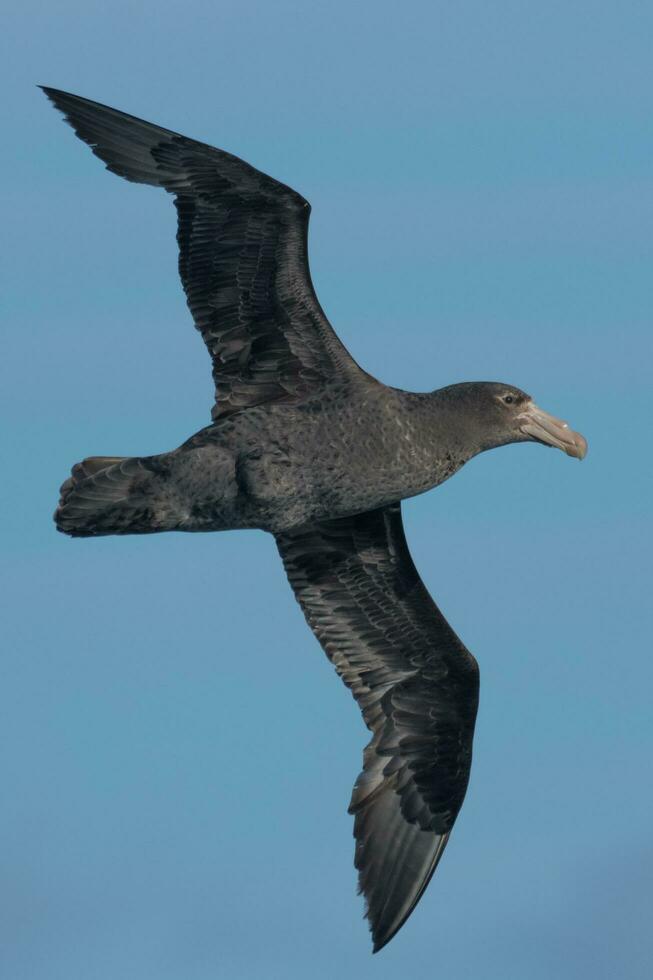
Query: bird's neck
x=438 y=436
x=458 y=421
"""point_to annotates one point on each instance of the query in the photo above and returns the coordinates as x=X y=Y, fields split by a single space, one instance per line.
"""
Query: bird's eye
x=509 y=399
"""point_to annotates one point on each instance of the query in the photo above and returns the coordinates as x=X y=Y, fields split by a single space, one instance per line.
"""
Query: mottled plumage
x=416 y=685
x=306 y=445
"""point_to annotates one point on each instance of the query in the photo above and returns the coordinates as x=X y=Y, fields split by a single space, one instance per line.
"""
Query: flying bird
x=305 y=444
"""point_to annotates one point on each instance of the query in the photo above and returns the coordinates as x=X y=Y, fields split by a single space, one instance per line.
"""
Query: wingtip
x=59 y=97
x=382 y=934
x=381 y=938
x=384 y=922
x=54 y=95
x=379 y=944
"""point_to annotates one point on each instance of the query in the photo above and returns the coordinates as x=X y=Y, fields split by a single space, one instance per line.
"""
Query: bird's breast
x=297 y=464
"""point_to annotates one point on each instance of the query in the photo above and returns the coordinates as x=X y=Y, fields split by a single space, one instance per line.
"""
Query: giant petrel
x=305 y=444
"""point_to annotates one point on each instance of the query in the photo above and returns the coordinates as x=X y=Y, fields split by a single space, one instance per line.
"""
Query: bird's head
x=500 y=414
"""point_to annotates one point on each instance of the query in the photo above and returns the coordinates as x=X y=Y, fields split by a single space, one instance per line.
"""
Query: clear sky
x=177 y=753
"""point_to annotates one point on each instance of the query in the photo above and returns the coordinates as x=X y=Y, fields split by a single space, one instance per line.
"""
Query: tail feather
x=111 y=495
x=95 y=464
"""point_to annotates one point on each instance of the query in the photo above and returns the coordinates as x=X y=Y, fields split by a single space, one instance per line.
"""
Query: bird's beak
x=537 y=424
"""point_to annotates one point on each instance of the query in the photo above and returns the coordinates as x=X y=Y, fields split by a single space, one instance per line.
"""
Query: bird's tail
x=113 y=495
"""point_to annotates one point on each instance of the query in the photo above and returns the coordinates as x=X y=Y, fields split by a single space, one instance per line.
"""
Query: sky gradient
x=176 y=752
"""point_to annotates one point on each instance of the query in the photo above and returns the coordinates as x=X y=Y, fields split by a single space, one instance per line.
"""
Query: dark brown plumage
x=416 y=685
x=306 y=445
x=243 y=255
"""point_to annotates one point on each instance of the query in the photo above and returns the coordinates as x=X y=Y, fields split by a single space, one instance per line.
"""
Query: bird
x=303 y=443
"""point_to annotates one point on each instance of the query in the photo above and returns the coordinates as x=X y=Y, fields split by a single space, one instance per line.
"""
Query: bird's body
x=306 y=445
x=343 y=451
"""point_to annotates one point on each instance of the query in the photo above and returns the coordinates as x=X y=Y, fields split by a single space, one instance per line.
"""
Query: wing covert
x=243 y=256
x=417 y=686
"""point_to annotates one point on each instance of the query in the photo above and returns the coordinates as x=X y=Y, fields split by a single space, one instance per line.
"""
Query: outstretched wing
x=417 y=686
x=243 y=256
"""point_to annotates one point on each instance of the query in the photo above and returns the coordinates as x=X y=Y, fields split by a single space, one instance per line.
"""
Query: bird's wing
x=417 y=686
x=243 y=256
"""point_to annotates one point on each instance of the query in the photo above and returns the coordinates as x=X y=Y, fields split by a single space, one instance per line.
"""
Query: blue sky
x=177 y=754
